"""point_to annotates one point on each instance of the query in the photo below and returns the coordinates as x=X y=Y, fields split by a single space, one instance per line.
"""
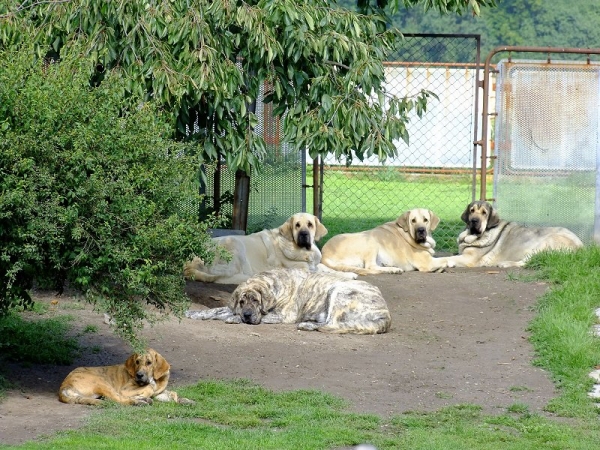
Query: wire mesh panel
x=435 y=169
x=276 y=192
x=546 y=138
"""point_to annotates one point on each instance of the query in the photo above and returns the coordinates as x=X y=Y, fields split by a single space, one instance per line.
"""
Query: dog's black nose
x=303 y=237
x=141 y=378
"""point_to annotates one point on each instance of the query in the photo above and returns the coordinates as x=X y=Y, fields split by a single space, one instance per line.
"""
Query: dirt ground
x=456 y=337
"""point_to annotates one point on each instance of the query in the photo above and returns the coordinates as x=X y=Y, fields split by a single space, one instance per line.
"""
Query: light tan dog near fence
x=141 y=379
x=292 y=245
x=394 y=247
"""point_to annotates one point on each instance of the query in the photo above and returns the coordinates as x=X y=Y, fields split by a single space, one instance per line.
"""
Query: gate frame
x=318 y=163
x=485 y=115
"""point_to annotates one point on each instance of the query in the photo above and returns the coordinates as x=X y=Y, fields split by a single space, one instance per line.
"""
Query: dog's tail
x=192 y=270
x=340 y=267
x=376 y=325
x=71 y=396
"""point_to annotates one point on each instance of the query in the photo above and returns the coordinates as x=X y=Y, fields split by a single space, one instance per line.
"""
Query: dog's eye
x=484 y=212
x=241 y=303
x=297 y=224
x=425 y=219
x=148 y=363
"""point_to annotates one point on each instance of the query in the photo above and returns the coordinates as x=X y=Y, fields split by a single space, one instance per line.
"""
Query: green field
x=358 y=201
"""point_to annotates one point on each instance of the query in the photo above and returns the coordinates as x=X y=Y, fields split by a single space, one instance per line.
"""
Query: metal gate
x=438 y=169
x=545 y=139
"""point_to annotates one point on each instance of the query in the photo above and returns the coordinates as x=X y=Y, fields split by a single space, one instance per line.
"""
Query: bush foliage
x=91 y=191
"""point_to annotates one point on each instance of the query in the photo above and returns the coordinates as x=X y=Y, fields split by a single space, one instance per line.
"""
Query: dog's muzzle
x=141 y=378
x=304 y=240
x=421 y=235
x=474 y=226
x=250 y=317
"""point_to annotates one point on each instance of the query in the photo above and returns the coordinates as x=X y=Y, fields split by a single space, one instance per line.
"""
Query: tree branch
x=24 y=6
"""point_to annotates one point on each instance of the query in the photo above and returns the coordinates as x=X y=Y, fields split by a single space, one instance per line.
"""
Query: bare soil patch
x=457 y=337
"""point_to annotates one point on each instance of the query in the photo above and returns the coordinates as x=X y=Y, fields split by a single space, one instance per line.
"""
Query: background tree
x=512 y=22
x=205 y=61
x=446 y=6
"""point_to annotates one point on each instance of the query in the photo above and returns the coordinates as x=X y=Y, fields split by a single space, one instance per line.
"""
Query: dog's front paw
x=470 y=238
x=142 y=401
x=234 y=319
x=196 y=315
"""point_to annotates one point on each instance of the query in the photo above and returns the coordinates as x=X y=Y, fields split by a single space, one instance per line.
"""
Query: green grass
x=241 y=415
x=357 y=201
x=43 y=341
x=561 y=331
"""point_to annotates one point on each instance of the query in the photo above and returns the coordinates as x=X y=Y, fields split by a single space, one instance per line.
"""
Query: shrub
x=91 y=192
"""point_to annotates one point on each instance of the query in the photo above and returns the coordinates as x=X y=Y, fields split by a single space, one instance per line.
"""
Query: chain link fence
x=437 y=170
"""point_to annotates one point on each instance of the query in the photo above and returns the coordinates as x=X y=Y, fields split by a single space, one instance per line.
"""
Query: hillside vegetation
x=551 y=23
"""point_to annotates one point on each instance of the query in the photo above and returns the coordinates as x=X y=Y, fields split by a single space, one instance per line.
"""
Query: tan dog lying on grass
x=292 y=245
x=142 y=378
x=394 y=247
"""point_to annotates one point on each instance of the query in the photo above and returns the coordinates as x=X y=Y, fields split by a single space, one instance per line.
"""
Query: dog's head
x=247 y=302
x=303 y=229
x=147 y=367
x=418 y=223
x=480 y=216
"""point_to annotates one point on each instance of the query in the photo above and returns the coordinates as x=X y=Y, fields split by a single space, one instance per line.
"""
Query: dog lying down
x=490 y=241
x=324 y=302
x=141 y=379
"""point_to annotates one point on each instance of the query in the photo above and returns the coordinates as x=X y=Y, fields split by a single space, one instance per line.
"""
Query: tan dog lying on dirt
x=490 y=241
x=142 y=378
x=292 y=245
x=393 y=247
x=326 y=302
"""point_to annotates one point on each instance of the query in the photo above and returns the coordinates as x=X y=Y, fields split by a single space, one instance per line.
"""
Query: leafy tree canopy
x=206 y=62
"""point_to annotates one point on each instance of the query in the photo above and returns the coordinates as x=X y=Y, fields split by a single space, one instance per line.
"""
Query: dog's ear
x=435 y=220
x=465 y=215
x=286 y=229
x=268 y=299
x=234 y=299
x=402 y=221
x=161 y=366
x=494 y=217
x=321 y=230
x=130 y=365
